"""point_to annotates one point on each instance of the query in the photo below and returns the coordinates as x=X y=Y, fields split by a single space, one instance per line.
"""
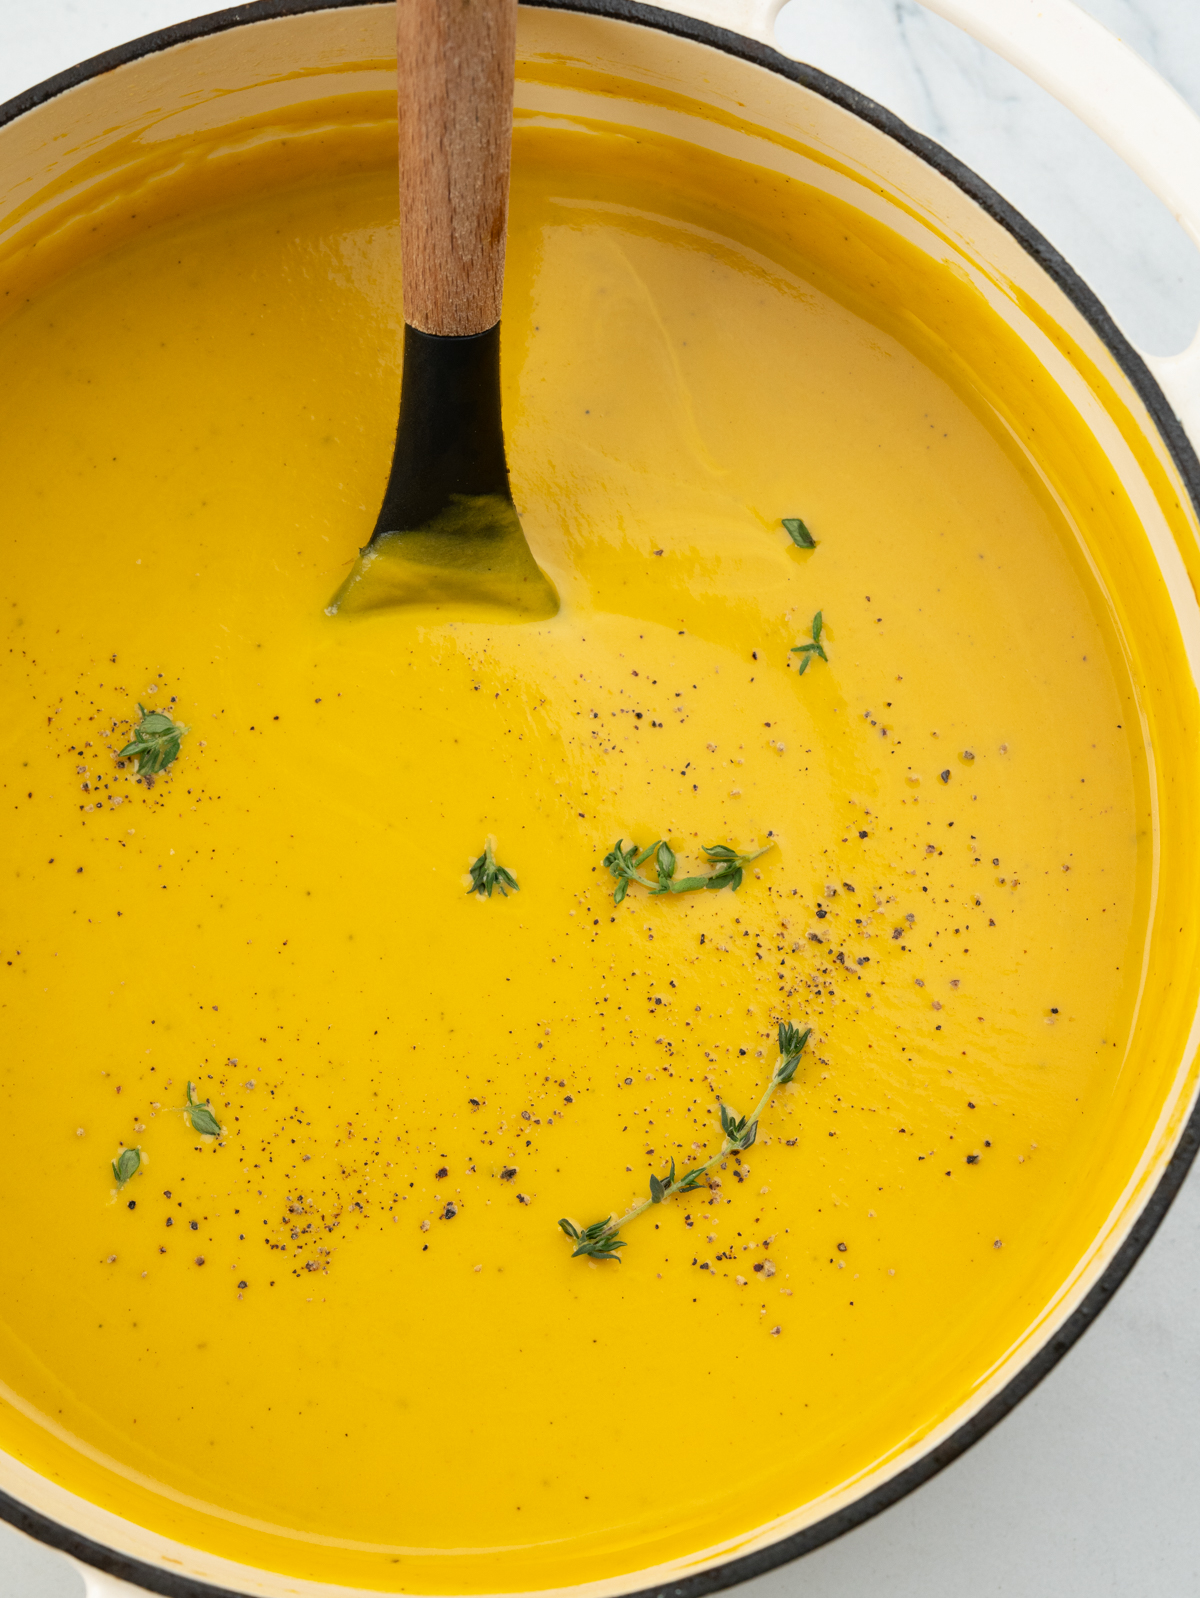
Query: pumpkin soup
x=820 y=607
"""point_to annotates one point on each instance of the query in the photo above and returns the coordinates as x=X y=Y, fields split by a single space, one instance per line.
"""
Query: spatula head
x=447 y=536
x=470 y=559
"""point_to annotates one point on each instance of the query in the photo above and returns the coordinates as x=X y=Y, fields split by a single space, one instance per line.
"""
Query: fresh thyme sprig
x=624 y=864
x=200 y=1114
x=126 y=1164
x=486 y=874
x=813 y=651
x=601 y=1240
x=798 y=533
x=155 y=742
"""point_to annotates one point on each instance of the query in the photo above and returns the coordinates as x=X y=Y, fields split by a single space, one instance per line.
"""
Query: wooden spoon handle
x=455 y=63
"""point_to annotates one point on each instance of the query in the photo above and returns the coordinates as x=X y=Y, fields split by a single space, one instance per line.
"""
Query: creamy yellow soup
x=347 y=1340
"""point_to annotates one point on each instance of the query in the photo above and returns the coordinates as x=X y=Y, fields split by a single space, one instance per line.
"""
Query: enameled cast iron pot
x=83 y=126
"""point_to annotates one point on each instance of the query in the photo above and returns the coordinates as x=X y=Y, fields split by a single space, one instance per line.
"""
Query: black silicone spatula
x=448 y=534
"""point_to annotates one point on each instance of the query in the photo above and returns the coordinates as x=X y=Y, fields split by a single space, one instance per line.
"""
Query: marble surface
x=1089 y=1489
x=1070 y=185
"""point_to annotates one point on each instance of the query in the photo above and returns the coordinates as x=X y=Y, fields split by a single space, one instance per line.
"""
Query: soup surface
x=347 y=1339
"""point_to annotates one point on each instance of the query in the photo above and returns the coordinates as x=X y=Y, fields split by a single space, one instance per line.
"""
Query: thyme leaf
x=486 y=874
x=798 y=533
x=624 y=865
x=200 y=1115
x=601 y=1239
x=659 y=1188
x=126 y=1165
x=597 y=1241
x=739 y=1134
x=812 y=651
x=155 y=742
x=664 y=862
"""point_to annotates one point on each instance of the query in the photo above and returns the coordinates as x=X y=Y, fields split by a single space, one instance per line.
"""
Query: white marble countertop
x=1089 y=1488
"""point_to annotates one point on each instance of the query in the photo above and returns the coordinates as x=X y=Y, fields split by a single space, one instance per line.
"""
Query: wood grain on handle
x=455 y=62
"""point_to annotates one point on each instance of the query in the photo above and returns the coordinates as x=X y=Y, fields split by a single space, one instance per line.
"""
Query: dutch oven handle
x=1120 y=97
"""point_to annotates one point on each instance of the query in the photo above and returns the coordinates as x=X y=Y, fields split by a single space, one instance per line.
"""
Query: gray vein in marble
x=1057 y=172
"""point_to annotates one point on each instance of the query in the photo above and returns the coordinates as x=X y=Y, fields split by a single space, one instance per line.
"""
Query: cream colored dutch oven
x=86 y=125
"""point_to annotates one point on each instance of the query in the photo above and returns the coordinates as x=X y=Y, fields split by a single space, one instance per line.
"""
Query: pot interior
x=769 y=176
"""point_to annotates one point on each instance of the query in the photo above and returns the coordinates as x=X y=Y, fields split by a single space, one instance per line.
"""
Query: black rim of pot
x=746 y=1566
